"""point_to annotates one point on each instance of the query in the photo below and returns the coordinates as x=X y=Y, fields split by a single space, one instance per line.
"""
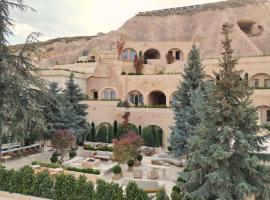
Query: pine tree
x=21 y=90
x=185 y=118
x=223 y=160
x=53 y=110
x=74 y=95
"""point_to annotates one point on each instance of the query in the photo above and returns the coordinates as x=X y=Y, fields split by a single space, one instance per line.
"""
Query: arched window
x=174 y=55
x=128 y=54
x=109 y=94
x=136 y=98
x=261 y=80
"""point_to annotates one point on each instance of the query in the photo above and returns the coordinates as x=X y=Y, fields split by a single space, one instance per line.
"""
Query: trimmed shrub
x=148 y=137
x=42 y=186
x=161 y=195
x=84 y=190
x=90 y=148
x=139 y=157
x=54 y=158
x=134 y=193
x=72 y=154
x=5 y=177
x=122 y=130
x=115 y=129
x=82 y=170
x=106 y=191
x=117 y=169
x=64 y=188
x=101 y=135
x=130 y=163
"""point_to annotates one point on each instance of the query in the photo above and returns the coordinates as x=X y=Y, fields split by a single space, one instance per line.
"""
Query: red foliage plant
x=62 y=140
x=127 y=147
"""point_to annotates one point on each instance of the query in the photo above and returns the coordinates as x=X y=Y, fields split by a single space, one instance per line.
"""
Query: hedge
x=66 y=187
x=90 y=148
x=152 y=136
x=82 y=170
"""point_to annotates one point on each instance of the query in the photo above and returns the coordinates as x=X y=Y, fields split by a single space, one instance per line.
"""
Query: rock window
x=128 y=55
x=136 y=98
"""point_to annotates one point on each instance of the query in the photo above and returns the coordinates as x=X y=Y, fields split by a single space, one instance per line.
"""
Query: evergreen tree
x=115 y=129
x=53 y=110
x=74 y=95
x=93 y=132
x=185 y=118
x=21 y=90
x=223 y=161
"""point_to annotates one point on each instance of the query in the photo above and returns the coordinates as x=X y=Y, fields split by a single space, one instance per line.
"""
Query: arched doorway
x=136 y=98
x=153 y=136
x=151 y=54
x=94 y=94
x=157 y=98
x=108 y=94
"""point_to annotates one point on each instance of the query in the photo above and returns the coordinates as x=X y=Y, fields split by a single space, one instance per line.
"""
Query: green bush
x=5 y=177
x=134 y=193
x=84 y=190
x=161 y=195
x=42 y=186
x=108 y=191
x=48 y=165
x=64 y=188
x=148 y=137
x=122 y=130
x=90 y=148
x=139 y=157
x=176 y=193
x=54 y=159
x=117 y=169
x=82 y=170
x=72 y=154
x=130 y=163
x=101 y=135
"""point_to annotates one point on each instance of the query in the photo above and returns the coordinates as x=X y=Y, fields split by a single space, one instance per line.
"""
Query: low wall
x=13 y=196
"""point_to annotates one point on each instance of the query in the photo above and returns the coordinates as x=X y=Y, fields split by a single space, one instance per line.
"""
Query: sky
x=66 y=18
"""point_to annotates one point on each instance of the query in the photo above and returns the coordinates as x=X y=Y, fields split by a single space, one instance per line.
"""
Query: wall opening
x=250 y=27
x=152 y=54
x=157 y=98
x=136 y=98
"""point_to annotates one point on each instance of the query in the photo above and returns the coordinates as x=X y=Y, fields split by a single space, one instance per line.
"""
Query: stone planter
x=117 y=176
x=137 y=163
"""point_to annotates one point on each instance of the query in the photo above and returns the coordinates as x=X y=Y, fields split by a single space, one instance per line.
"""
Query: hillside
x=200 y=25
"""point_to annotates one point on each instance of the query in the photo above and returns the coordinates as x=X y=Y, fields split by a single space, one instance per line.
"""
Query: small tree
x=127 y=147
x=115 y=129
x=105 y=191
x=93 y=132
x=63 y=140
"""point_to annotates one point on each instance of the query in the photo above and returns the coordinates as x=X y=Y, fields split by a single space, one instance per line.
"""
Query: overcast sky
x=61 y=18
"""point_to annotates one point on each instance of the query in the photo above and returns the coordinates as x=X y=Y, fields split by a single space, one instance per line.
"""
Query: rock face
x=200 y=25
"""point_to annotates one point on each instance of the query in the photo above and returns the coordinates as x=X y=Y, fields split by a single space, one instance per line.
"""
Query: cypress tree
x=223 y=160
x=115 y=129
x=185 y=118
x=93 y=132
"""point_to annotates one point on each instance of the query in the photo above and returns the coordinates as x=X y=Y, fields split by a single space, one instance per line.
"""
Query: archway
x=94 y=94
x=152 y=54
x=136 y=98
x=153 y=136
x=157 y=98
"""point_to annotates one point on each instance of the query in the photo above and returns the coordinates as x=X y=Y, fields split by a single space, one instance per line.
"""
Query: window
x=268 y=115
x=267 y=83
x=136 y=98
x=178 y=55
x=255 y=83
x=129 y=55
x=109 y=94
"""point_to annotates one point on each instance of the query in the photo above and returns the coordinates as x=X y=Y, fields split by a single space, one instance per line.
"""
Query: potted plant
x=138 y=161
x=117 y=171
x=54 y=158
x=130 y=164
